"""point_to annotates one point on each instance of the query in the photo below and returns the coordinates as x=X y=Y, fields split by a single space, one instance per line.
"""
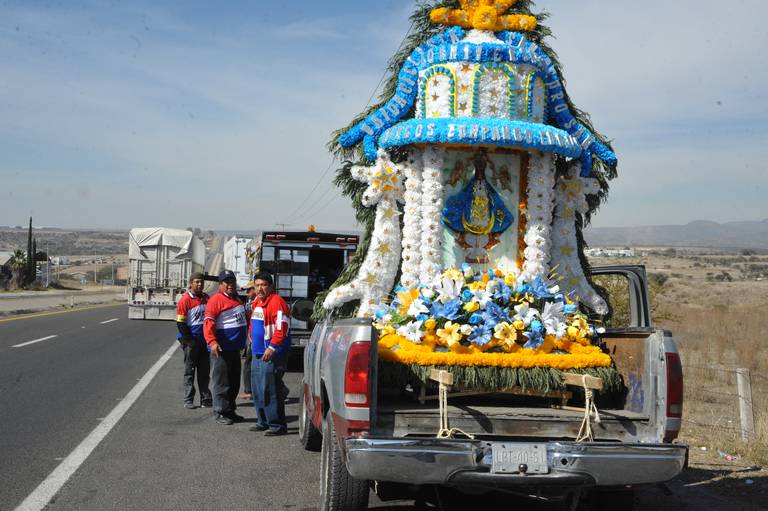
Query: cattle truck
x=303 y=264
x=161 y=261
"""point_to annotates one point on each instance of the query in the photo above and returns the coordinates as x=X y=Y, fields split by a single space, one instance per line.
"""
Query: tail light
x=674 y=386
x=674 y=396
x=356 y=388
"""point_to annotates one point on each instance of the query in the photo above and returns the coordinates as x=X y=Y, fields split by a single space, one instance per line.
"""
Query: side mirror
x=302 y=310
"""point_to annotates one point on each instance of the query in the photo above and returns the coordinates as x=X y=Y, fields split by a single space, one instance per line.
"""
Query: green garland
x=542 y=379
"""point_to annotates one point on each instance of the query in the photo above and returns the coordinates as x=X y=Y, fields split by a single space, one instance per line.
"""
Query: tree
x=19 y=268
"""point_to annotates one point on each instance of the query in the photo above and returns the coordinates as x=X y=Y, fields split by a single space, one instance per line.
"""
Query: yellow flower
x=509 y=279
x=453 y=274
x=476 y=286
x=471 y=306
x=430 y=324
x=505 y=332
x=406 y=299
x=450 y=334
x=519 y=325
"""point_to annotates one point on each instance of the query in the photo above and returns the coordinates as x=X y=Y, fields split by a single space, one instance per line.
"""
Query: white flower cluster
x=538 y=234
x=431 y=215
x=412 y=170
x=572 y=199
x=379 y=269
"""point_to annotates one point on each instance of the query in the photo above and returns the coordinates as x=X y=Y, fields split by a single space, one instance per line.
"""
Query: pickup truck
x=374 y=437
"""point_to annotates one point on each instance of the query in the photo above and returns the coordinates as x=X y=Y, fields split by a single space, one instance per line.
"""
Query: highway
x=91 y=418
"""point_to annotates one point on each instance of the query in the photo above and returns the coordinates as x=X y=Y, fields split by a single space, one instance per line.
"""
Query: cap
x=248 y=285
x=227 y=275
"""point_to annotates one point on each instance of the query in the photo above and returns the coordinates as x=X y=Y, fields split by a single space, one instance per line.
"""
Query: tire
x=309 y=436
x=339 y=491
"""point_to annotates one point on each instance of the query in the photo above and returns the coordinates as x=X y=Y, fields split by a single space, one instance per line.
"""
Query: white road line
x=33 y=342
x=108 y=321
x=43 y=494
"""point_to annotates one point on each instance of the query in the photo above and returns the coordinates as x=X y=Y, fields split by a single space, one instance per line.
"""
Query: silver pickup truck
x=375 y=437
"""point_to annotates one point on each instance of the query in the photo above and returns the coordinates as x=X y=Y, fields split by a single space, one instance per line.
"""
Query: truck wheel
x=339 y=491
x=309 y=436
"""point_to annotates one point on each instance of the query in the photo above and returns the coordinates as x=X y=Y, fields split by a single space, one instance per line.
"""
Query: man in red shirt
x=225 y=331
x=190 y=315
x=271 y=344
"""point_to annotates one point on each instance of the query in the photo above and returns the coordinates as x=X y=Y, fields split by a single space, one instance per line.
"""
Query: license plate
x=508 y=458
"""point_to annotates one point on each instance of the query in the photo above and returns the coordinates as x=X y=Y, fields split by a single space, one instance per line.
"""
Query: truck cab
x=303 y=264
x=383 y=435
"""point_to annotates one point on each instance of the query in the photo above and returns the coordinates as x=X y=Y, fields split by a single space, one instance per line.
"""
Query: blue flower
x=422 y=317
x=467 y=295
x=540 y=289
x=536 y=326
x=449 y=311
x=535 y=339
x=504 y=293
x=380 y=313
x=481 y=335
x=475 y=319
x=494 y=314
x=570 y=308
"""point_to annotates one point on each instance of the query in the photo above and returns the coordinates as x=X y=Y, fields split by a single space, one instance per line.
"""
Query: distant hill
x=699 y=233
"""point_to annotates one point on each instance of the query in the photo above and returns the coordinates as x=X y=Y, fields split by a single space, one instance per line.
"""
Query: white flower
x=417 y=307
x=387 y=319
x=465 y=330
x=482 y=297
x=469 y=272
x=492 y=286
x=412 y=331
x=427 y=293
x=525 y=313
x=553 y=320
x=449 y=289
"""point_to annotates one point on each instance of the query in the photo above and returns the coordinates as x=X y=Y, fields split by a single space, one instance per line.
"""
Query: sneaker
x=189 y=406
x=235 y=417
x=276 y=432
x=258 y=427
x=245 y=396
x=207 y=404
x=226 y=421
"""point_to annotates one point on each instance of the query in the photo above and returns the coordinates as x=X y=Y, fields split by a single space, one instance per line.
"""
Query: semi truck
x=236 y=257
x=303 y=264
x=160 y=262
x=374 y=436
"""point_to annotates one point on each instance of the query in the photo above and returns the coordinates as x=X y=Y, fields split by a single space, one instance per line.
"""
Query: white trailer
x=236 y=258
x=161 y=261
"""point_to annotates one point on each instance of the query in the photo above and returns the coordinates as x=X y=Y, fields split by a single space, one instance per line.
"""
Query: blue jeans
x=268 y=394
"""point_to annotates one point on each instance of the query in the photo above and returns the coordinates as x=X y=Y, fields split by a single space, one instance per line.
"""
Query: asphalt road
x=159 y=455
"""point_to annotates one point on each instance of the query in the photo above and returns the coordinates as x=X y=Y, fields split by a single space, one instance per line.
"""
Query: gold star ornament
x=484 y=15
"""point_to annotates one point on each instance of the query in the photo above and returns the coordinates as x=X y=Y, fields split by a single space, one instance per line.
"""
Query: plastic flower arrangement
x=492 y=318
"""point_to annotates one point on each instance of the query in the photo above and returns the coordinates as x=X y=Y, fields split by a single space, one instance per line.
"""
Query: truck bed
x=623 y=418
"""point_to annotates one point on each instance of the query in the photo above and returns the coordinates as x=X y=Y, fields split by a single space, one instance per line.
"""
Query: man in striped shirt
x=225 y=331
x=190 y=315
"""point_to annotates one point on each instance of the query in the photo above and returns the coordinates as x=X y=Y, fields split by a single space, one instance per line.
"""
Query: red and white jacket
x=270 y=325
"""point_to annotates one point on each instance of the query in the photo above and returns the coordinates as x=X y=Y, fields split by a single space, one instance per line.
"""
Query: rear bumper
x=468 y=463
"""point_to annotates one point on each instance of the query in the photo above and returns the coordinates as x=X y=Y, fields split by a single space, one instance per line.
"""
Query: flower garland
x=572 y=199
x=492 y=318
x=541 y=181
x=379 y=269
x=431 y=214
x=411 y=265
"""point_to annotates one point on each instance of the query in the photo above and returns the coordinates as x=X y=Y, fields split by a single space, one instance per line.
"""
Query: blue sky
x=194 y=113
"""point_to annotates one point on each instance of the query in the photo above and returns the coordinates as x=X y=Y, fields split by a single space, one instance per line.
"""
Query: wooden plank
x=518 y=391
x=443 y=377
x=583 y=380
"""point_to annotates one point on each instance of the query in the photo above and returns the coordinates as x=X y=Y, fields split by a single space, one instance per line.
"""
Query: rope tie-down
x=445 y=380
x=590 y=385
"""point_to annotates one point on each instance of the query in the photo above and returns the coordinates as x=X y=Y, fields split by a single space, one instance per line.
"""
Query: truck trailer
x=161 y=261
